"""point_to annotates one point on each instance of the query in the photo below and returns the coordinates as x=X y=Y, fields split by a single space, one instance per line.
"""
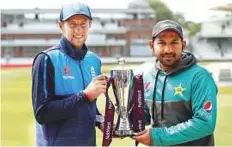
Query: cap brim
x=66 y=18
x=166 y=29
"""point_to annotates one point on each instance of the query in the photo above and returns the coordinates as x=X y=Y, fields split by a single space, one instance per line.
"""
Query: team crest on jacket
x=179 y=90
x=67 y=70
x=208 y=106
x=67 y=73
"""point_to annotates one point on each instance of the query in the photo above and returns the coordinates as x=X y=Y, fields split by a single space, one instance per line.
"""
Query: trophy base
x=124 y=133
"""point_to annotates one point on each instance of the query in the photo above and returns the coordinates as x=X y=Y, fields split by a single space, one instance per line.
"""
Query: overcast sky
x=194 y=10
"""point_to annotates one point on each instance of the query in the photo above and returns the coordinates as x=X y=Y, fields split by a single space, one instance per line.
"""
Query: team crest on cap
x=167 y=25
x=208 y=106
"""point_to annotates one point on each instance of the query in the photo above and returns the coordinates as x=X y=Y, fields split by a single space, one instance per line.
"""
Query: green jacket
x=181 y=105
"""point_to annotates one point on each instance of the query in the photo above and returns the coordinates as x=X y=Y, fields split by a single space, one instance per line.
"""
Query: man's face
x=168 y=47
x=75 y=29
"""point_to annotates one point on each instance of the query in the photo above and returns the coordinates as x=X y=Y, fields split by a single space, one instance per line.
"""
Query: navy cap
x=68 y=10
x=167 y=25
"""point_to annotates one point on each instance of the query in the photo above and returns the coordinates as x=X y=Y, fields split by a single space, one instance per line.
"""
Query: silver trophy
x=122 y=88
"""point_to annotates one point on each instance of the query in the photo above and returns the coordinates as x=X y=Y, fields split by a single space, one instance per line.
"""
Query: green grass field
x=17 y=121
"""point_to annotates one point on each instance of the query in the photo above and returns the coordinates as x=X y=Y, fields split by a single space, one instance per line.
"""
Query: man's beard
x=172 y=63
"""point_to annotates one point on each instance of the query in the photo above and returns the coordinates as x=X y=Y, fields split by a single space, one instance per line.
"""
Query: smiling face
x=167 y=47
x=75 y=30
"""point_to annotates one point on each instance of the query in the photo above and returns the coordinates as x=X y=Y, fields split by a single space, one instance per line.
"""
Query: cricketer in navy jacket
x=64 y=116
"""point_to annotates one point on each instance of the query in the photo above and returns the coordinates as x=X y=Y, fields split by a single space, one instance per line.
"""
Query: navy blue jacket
x=64 y=116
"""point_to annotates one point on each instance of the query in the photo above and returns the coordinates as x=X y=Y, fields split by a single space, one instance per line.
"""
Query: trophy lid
x=122 y=68
x=121 y=64
x=121 y=61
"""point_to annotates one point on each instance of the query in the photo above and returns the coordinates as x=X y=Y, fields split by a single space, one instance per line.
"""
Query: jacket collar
x=76 y=54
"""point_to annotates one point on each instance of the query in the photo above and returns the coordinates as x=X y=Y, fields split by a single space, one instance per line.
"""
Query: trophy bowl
x=122 y=88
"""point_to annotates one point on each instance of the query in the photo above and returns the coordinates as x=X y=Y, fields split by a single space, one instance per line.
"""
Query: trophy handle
x=137 y=115
x=114 y=91
x=109 y=117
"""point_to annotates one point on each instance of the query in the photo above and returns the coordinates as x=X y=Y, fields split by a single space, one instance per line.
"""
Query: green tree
x=161 y=10
x=179 y=17
x=193 y=28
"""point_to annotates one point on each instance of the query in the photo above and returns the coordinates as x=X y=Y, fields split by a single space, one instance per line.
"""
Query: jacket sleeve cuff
x=99 y=120
x=155 y=137
x=83 y=95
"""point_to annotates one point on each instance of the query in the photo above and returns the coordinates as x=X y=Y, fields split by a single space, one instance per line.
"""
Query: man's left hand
x=143 y=137
x=101 y=127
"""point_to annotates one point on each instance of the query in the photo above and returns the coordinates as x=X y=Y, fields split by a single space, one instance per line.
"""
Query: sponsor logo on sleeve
x=147 y=86
x=93 y=73
x=208 y=106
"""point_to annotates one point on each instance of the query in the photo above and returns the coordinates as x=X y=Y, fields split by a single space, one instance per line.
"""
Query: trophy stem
x=124 y=126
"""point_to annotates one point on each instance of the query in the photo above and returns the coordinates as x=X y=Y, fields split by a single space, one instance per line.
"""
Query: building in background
x=214 y=41
x=114 y=32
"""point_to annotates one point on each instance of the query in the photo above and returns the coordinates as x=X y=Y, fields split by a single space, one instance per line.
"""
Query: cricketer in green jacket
x=180 y=95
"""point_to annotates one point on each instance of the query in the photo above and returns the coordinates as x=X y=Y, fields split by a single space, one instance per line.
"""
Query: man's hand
x=143 y=137
x=101 y=127
x=96 y=87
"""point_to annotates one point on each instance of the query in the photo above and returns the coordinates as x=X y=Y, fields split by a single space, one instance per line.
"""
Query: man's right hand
x=143 y=137
x=96 y=87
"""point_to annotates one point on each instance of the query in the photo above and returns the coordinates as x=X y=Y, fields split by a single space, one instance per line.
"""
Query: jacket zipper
x=83 y=80
x=162 y=100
